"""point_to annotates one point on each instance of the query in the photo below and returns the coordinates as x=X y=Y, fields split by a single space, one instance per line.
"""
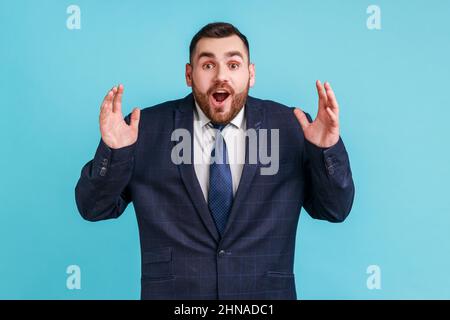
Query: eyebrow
x=227 y=54
x=234 y=53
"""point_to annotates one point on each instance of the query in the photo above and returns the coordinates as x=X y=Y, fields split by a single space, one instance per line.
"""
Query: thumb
x=301 y=117
x=135 y=116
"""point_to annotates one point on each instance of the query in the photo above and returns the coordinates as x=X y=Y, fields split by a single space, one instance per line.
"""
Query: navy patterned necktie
x=220 y=196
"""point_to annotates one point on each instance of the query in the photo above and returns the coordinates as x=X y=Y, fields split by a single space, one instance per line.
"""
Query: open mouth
x=220 y=96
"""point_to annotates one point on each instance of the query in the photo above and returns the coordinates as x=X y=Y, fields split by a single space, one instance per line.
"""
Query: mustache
x=219 y=86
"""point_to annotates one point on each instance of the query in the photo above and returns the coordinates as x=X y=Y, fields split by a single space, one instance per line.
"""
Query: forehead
x=220 y=46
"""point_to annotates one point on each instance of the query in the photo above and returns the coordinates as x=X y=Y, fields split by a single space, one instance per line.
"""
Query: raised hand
x=116 y=133
x=324 y=130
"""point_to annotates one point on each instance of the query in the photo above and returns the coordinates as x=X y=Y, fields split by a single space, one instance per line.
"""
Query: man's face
x=220 y=76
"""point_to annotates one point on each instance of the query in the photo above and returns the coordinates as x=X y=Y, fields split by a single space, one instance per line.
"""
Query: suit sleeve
x=102 y=190
x=329 y=187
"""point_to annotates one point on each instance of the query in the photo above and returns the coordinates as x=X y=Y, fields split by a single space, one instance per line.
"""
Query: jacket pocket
x=157 y=264
x=279 y=274
x=279 y=280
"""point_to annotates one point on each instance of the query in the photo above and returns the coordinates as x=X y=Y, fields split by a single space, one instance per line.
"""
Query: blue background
x=392 y=86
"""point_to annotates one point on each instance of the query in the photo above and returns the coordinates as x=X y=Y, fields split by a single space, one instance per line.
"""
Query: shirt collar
x=237 y=121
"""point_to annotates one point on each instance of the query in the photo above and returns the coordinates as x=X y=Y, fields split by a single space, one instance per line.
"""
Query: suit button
x=103 y=171
x=221 y=253
x=329 y=161
x=331 y=171
x=105 y=162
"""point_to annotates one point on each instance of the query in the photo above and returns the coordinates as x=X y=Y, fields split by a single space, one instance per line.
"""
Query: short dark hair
x=217 y=30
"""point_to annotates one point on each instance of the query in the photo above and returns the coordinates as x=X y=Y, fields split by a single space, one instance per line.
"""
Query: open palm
x=324 y=130
x=116 y=133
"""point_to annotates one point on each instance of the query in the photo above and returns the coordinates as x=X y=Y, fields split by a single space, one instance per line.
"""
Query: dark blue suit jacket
x=183 y=256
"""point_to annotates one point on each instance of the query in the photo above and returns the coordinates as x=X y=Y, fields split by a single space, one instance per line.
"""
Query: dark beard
x=237 y=102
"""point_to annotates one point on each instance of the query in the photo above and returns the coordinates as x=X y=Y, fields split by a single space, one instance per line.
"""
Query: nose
x=222 y=74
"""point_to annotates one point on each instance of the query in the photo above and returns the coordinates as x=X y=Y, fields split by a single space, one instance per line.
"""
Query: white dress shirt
x=204 y=139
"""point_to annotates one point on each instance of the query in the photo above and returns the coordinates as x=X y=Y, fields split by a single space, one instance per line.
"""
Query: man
x=218 y=229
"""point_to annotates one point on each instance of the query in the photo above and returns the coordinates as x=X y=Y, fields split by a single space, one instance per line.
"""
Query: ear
x=251 y=69
x=188 y=74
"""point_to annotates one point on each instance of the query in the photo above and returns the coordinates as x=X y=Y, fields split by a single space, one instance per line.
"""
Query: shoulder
x=159 y=110
x=161 y=113
x=269 y=105
x=159 y=117
x=274 y=111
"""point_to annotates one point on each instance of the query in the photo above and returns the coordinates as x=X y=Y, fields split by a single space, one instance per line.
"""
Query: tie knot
x=218 y=126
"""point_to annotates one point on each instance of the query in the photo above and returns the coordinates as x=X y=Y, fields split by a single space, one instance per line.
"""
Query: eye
x=234 y=66
x=207 y=66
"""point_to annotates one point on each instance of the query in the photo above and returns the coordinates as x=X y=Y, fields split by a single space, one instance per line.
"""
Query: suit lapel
x=254 y=116
x=184 y=118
